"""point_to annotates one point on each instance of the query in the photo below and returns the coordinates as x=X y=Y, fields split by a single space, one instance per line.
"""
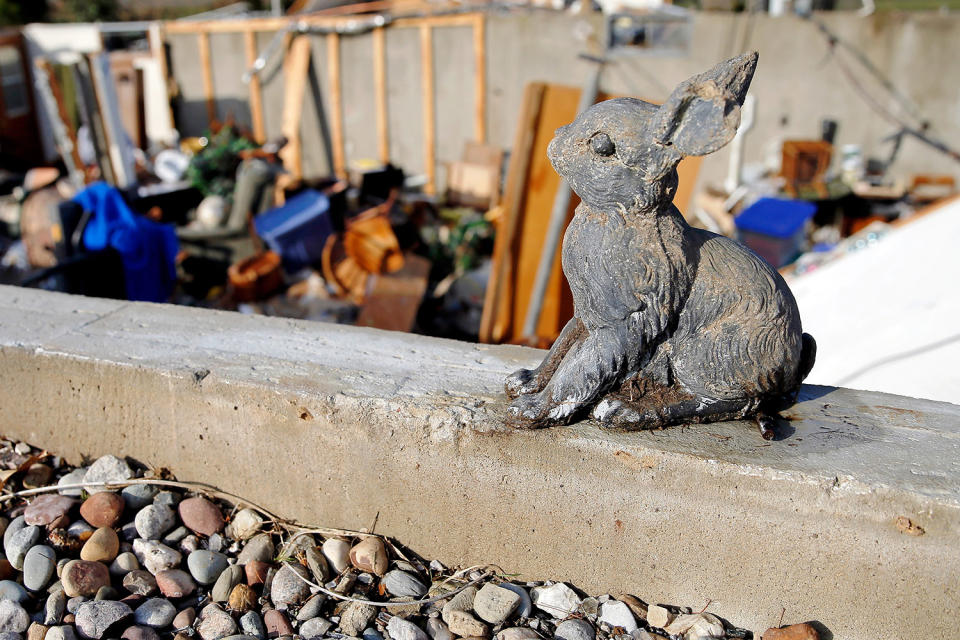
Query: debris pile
x=113 y=550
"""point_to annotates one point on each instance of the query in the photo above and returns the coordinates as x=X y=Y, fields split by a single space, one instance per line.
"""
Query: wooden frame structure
x=250 y=27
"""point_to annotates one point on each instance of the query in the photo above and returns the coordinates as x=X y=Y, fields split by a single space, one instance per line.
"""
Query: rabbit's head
x=624 y=152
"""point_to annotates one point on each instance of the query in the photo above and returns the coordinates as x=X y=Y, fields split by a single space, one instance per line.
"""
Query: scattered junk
x=273 y=205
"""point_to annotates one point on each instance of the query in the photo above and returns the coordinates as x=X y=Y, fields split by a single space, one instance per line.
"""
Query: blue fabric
x=147 y=249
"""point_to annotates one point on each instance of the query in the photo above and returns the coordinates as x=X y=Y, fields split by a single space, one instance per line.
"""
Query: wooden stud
x=480 y=78
x=296 y=65
x=428 y=99
x=336 y=105
x=256 y=99
x=380 y=90
x=203 y=43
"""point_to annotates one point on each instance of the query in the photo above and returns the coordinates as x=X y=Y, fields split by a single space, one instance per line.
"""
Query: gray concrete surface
x=334 y=425
x=797 y=83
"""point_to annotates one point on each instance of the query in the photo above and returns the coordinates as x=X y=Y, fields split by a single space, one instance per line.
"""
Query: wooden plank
x=480 y=78
x=255 y=94
x=203 y=43
x=428 y=98
x=380 y=92
x=158 y=49
x=499 y=295
x=56 y=92
x=296 y=64
x=336 y=105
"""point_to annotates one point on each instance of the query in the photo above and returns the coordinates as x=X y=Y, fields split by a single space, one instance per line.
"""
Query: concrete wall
x=797 y=83
x=333 y=425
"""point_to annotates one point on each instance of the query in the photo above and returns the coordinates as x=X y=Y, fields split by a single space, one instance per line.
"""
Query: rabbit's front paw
x=522 y=382
x=527 y=412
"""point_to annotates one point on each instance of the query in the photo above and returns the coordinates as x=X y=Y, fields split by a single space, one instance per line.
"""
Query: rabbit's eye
x=602 y=144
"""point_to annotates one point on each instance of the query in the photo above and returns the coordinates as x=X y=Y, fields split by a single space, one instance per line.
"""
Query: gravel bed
x=115 y=550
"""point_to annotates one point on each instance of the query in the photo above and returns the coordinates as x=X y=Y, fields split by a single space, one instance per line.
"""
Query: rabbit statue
x=672 y=324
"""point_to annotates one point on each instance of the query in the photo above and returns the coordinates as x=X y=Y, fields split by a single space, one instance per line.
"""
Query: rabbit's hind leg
x=670 y=406
x=527 y=381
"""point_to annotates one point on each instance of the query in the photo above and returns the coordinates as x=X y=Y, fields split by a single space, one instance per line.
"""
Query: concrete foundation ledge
x=852 y=519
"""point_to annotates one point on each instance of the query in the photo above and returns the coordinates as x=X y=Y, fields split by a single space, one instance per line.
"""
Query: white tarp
x=887 y=318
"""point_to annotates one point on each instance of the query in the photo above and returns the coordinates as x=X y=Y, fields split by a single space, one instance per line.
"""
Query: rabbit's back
x=738 y=322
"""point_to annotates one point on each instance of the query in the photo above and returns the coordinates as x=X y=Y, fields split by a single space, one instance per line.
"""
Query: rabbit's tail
x=808 y=355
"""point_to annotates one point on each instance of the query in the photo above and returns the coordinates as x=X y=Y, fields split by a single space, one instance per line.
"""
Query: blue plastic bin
x=775 y=228
x=298 y=230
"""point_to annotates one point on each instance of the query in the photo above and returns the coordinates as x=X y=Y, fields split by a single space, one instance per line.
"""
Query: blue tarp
x=147 y=249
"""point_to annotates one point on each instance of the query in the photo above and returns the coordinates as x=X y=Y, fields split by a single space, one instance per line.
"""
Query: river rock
x=312 y=607
x=226 y=581
x=658 y=616
x=38 y=475
x=575 y=629
x=20 y=543
x=370 y=554
x=84 y=578
x=13 y=527
x=74 y=477
x=277 y=623
x=155 y=612
x=55 y=607
x=288 y=587
x=39 y=565
x=137 y=496
x=215 y=623
x=317 y=564
x=175 y=583
x=403 y=585
x=74 y=603
x=49 y=510
x=175 y=536
x=400 y=629
x=95 y=618
x=244 y=525
x=201 y=516
x=252 y=625
x=315 y=628
x=803 y=631
x=102 y=546
x=256 y=572
x=206 y=566
x=107 y=469
x=185 y=618
x=154 y=520
x=462 y=623
x=518 y=633
x=495 y=604
x=696 y=626
x=337 y=553
x=10 y=590
x=463 y=601
x=355 y=617
x=64 y=632
x=525 y=609
x=558 y=599
x=102 y=509
x=167 y=499
x=124 y=563
x=13 y=617
x=438 y=630
x=618 y=614
x=259 y=547
x=155 y=556
x=242 y=598
x=140 y=582
x=138 y=632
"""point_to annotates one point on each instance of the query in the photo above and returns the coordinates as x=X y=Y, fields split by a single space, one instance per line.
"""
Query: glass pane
x=15 y=98
x=10 y=66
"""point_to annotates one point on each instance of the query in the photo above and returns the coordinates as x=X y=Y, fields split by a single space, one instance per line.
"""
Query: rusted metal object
x=672 y=324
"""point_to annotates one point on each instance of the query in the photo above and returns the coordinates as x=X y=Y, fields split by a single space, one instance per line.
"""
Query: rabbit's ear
x=703 y=113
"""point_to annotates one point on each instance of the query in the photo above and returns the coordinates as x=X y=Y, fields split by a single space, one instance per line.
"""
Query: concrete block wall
x=333 y=425
x=797 y=82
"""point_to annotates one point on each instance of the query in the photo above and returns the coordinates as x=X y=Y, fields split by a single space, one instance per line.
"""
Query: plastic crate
x=775 y=229
x=298 y=230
